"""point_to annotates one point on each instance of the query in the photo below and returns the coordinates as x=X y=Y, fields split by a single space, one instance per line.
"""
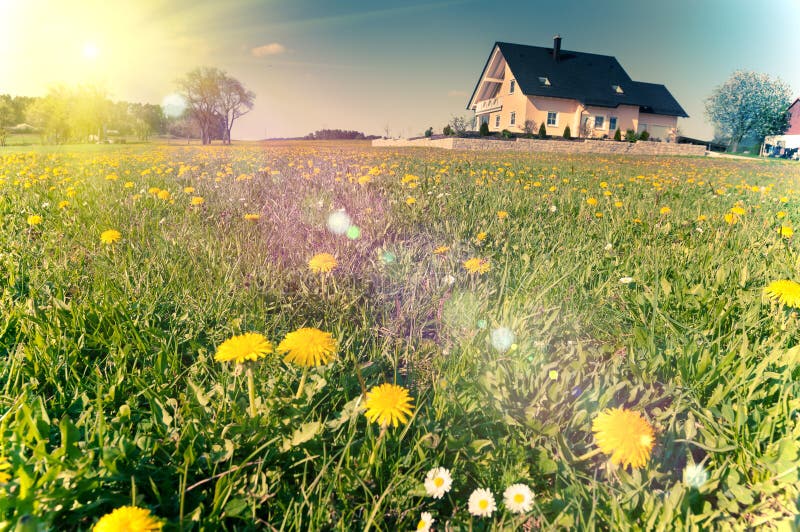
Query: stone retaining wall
x=550 y=146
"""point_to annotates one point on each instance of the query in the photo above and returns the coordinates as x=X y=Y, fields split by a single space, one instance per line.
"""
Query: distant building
x=794 y=119
x=590 y=93
x=788 y=144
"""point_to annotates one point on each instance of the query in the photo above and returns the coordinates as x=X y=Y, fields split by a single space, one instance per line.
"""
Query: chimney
x=556 y=47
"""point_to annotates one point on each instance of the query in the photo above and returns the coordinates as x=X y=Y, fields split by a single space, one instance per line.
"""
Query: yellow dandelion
x=197 y=200
x=322 y=263
x=598 y=214
x=364 y=179
x=128 y=184
x=128 y=519
x=308 y=347
x=738 y=211
x=784 y=292
x=702 y=218
x=248 y=346
x=591 y=201
x=34 y=219
x=110 y=236
x=388 y=404
x=63 y=204
x=410 y=200
x=441 y=250
x=153 y=190
x=477 y=265
x=781 y=215
x=480 y=237
x=188 y=190
x=664 y=210
x=502 y=215
x=625 y=435
x=163 y=194
x=252 y=217
x=786 y=231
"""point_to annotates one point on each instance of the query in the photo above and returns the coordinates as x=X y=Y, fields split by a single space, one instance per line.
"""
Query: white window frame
x=616 y=123
x=555 y=119
x=497 y=120
x=511 y=86
x=601 y=127
x=513 y=118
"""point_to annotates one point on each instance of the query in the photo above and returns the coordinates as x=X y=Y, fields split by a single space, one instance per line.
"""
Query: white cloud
x=457 y=94
x=274 y=48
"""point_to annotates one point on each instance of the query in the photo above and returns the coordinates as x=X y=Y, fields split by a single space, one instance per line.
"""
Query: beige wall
x=659 y=126
x=515 y=103
x=567 y=112
x=627 y=118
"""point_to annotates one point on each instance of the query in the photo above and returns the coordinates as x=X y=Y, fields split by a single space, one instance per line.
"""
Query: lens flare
x=174 y=105
x=338 y=222
x=502 y=339
x=90 y=50
x=353 y=232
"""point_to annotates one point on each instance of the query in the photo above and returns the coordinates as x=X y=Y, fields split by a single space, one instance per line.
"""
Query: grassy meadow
x=591 y=283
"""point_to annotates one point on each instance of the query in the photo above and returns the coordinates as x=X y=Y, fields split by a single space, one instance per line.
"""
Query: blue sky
x=409 y=65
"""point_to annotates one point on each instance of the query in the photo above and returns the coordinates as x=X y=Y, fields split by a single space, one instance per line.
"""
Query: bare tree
x=234 y=101
x=201 y=90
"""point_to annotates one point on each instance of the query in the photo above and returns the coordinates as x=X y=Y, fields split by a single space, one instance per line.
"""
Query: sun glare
x=90 y=50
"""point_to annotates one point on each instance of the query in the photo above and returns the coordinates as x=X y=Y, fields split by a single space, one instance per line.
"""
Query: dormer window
x=544 y=81
x=511 y=86
x=617 y=89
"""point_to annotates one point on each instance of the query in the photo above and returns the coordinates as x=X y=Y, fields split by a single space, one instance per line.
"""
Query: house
x=788 y=144
x=590 y=93
x=794 y=119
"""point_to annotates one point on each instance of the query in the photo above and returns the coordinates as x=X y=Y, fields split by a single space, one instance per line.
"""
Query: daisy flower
x=518 y=498
x=438 y=482
x=481 y=503
x=425 y=522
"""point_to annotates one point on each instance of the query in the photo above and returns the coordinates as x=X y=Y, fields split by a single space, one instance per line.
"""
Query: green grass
x=110 y=394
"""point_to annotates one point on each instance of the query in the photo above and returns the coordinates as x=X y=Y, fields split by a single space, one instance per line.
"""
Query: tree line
x=85 y=113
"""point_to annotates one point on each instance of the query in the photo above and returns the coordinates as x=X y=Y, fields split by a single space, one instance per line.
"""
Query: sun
x=90 y=50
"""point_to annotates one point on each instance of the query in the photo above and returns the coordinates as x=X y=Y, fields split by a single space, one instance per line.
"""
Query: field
x=518 y=299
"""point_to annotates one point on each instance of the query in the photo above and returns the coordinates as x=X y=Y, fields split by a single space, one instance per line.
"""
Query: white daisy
x=518 y=498
x=425 y=521
x=481 y=503
x=438 y=482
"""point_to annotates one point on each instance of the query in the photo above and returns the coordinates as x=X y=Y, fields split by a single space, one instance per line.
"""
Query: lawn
x=605 y=331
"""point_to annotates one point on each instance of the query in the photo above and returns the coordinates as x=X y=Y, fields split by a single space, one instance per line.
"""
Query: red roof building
x=794 y=119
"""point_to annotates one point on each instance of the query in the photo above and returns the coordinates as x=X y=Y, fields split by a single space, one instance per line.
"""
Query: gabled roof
x=588 y=78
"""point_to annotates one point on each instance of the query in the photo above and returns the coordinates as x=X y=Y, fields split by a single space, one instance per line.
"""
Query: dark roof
x=585 y=77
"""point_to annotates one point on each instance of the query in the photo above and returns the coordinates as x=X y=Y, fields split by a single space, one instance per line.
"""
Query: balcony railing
x=487 y=106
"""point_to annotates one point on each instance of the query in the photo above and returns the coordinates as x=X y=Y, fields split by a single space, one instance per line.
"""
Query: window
x=544 y=81
x=617 y=89
x=552 y=118
x=612 y=123
x=512 y=86
x=599 y=121
x=497 y=121
x=485 y=119
x=513 y=118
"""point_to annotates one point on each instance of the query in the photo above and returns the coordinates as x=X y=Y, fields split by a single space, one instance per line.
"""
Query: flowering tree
x=749 y=103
